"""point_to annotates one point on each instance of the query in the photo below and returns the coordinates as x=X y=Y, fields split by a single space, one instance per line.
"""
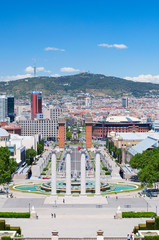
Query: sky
x=111 y=37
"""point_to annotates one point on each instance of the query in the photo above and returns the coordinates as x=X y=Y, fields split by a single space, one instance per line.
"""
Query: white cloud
x=30 y=69
x=144 y=78
x=14 y=77
x=120 y=46
x=69 y=69
x=54 y=49
x=55 y=75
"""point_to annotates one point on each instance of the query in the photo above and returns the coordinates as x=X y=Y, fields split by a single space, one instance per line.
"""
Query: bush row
x=151 y=237
x=150 y=225
x=138 y=214
x=4 y=226
x=15 y=214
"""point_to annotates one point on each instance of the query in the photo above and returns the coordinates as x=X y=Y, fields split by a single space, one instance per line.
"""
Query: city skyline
x=117 y=38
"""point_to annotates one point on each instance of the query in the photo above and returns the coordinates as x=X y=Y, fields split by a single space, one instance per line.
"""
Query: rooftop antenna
x=34 y=67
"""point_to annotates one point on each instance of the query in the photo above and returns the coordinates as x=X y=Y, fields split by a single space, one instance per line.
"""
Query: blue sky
x=116 y=37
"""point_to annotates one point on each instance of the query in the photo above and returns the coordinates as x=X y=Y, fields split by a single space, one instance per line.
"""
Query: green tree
x=39 y=148
x=148 y=165
x=7 y=165
x=68 y=135
x=30 y=154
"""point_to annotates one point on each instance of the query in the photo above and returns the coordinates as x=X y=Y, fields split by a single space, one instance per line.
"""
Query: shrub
x=14 y=215
x=43 y=173
x=5 y=238
x=156 y=223
x=7 y=227
x=151 y=237
x=138 y=214
x=2 y=224
x=17 y=229
x=150 y=224
x=45 y=169
x=105 y=168
x=135 y=230
x=142 y=226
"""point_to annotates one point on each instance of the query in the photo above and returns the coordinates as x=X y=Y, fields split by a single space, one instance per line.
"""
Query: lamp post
x=29 y=207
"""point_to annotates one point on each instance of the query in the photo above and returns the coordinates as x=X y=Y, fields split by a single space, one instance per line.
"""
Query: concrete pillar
x=83 y=172
x=53 y=174
x=68 y=172
x=97 y=176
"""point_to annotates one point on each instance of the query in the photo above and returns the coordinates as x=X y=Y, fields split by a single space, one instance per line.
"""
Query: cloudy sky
x=118 y=38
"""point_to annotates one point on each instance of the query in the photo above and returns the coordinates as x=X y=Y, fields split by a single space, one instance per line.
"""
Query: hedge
x=17 y=229
x=5 y=238
x=142 y=226
x=7 y=227
x=2 y=224
x=150 y=224
x=156 y=223
x=135 y=230
x=151 y=237
x=15 y=214
x=138 y=214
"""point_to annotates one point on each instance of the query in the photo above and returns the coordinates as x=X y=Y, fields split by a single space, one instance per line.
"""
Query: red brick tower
x=61 y=133
x=88 y=123
x=36 y=103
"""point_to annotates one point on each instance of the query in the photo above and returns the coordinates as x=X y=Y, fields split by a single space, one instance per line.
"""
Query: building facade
x=125 y=102
x=3 y=108
x=10 y=108
x=36 y=103
x=100 y=130
x=47 y=128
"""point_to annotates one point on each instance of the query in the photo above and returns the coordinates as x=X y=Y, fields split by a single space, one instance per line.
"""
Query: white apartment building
x=47 y=128
x=3 y=108
x=55 y=112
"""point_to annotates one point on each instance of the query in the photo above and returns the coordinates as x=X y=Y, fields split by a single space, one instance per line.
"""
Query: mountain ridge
x=87 y=82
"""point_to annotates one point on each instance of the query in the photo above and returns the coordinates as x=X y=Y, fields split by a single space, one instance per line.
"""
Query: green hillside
x=86 y=82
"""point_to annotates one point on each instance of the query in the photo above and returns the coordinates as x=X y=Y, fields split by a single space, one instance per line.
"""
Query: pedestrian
x=63 y=200
x=54 y=215
x=116 y=197
x=132 y=236
x=128 y=236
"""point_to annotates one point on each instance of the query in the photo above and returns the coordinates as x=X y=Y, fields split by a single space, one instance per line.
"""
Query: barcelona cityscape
x=79 y=120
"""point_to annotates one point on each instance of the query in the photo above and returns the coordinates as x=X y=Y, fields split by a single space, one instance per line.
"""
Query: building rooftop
x=3 y=133
x=138 y=135
x=143 y=145
x=122 y=119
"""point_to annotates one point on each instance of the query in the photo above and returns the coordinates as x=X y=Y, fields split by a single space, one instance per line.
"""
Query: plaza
x=77 y=216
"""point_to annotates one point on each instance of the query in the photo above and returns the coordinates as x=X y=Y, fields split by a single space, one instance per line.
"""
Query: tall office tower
x=10 y=107
x=88 y=102
x=125 y=102
x=36 y=103
x=3 y=108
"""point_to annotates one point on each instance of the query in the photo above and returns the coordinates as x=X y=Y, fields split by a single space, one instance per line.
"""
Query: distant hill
x=87 y=82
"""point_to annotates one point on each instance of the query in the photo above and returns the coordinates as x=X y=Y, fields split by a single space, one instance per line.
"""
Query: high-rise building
x=125 y=102
x=88 y=102
x=3 y=108
x=10 y=107
x=36 y=103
